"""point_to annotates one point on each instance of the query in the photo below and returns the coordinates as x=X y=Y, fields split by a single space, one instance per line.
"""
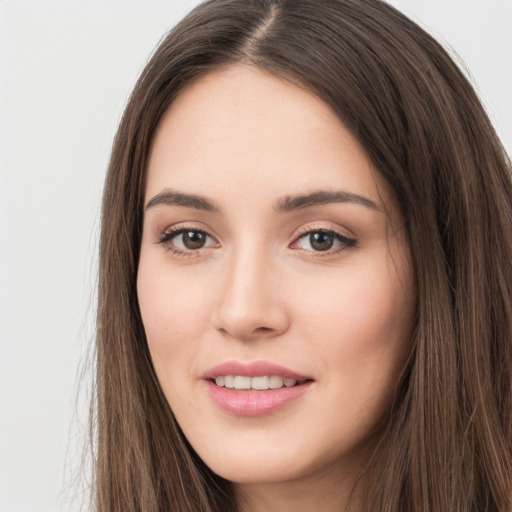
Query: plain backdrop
x=66 y=70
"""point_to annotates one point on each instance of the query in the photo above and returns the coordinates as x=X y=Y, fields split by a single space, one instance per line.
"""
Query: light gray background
x=66 y=69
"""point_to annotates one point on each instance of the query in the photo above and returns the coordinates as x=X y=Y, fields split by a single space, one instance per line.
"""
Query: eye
x=183 y=240
x=190 y=239
x=323 y=240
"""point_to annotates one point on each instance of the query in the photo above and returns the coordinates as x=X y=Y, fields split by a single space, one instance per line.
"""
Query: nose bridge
x=249 y=305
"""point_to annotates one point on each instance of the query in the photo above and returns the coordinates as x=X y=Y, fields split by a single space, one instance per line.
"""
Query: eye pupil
x=321 y=241
x=193 y=239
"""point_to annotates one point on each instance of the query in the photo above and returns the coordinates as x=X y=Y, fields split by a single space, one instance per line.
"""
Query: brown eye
x=187 y=240
x=328 y=241
x=193 y=239
x=321 y=241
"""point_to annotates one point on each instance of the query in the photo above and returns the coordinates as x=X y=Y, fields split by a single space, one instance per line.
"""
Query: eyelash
x=174 y=231
x=346 y=243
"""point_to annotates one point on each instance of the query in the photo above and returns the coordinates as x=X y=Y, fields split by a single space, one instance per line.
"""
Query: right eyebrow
x=171 y=197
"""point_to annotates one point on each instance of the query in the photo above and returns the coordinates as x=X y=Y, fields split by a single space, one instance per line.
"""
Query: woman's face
x=273 y=258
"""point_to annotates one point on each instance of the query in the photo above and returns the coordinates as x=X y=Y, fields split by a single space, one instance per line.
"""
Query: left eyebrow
x=321 y=197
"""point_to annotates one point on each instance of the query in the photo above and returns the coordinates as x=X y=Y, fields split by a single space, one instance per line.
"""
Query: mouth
x=259 y=383
x=254 y=389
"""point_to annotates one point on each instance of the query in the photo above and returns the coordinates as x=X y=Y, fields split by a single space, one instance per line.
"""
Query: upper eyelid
x=180 y=227
x=306 y=229
x=176 y=228
x=337 y=234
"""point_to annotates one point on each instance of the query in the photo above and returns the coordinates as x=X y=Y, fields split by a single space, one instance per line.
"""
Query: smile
x=242 y=382
x=256 y=388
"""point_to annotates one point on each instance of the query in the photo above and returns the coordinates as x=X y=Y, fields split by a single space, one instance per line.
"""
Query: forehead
x=244 y=130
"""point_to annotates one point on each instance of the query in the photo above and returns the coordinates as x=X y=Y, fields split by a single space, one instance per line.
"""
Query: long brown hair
x=447 y=444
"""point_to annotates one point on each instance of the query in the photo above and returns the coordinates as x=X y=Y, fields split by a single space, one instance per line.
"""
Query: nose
x=250 y=303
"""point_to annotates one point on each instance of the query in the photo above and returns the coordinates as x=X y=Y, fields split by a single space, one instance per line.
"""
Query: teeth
x=259 y=383
x=242 y=382
x=276 y=382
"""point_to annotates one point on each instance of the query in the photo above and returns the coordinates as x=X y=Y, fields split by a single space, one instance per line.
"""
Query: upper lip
x=253 y=369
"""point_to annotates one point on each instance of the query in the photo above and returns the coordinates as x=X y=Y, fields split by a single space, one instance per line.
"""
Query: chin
x=246 y=459
x=271 y=460
x=243 y=471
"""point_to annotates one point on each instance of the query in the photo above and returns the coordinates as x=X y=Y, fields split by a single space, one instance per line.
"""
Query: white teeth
x=276 y=382
x=242 y=382
x=258 y=383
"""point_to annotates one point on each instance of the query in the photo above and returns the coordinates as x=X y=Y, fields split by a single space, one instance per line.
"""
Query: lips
x=254 y=389
x=253 y=369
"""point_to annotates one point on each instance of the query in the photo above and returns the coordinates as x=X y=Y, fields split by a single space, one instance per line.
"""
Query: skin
x=261 y=290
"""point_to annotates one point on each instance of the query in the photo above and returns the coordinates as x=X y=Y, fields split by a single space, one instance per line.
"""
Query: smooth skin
x=323 y=286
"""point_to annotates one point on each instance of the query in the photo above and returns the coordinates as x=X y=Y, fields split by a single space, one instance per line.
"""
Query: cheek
x=359 y=306
x=174 y=315
x=361 y=327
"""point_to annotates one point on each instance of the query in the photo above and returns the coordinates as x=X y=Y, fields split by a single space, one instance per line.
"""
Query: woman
x=305 y=292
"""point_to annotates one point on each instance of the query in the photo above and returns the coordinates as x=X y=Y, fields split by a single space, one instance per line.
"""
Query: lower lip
x=255 y=403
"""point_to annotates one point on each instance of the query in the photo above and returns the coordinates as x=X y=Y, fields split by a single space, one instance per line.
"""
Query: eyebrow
x=284 y=205
x=322 y=197
x=171 y=197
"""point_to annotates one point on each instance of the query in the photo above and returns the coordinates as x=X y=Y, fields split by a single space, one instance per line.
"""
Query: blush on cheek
x=371 y=330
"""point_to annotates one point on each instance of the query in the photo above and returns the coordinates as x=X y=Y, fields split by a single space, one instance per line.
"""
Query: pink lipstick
x=254 y=389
